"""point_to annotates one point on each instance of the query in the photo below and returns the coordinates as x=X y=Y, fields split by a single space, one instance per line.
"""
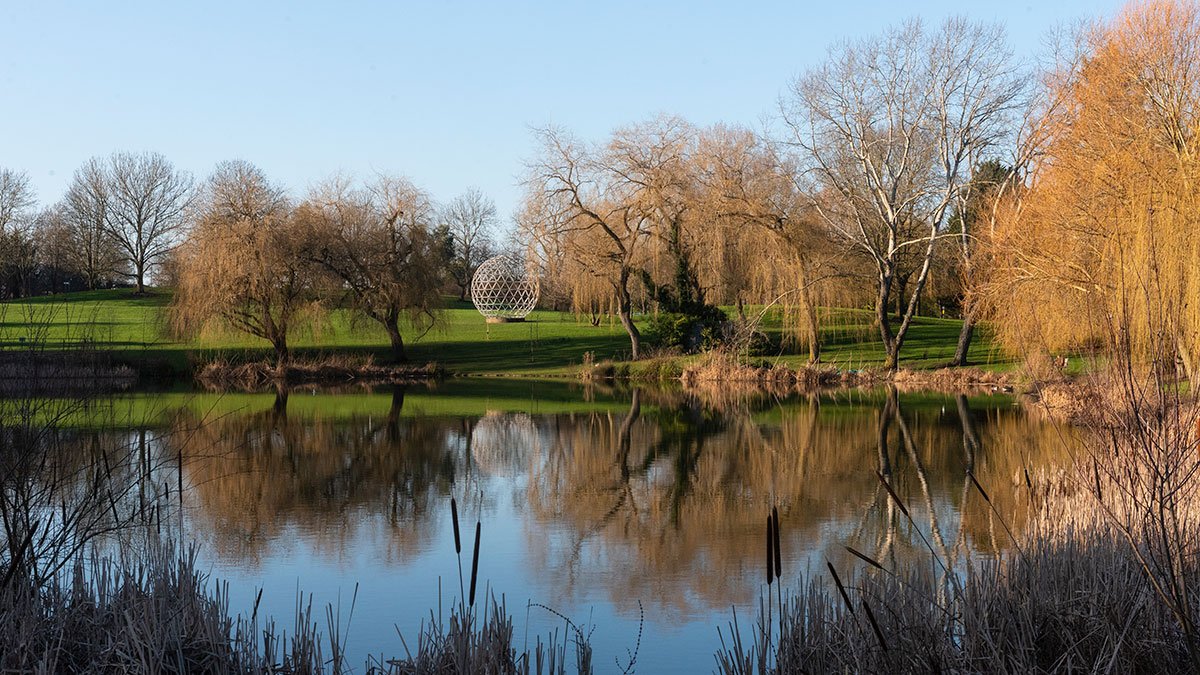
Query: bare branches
x=17 y=245
x=889 y=128
x=243 y=262
x=378 y=243
x=470 y=221
x=16 y=198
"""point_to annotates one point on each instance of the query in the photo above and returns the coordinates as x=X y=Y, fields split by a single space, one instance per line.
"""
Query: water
x=626 y=510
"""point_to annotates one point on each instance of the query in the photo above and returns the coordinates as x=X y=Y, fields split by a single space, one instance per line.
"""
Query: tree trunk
x=393 y=416
x=141 y=281
x=814 y=338
x=970 y=435
x=282 y=354
x=885 y=421
x=884 y=317
x=635 y=337
x=397 y=340
x=279 y=407
x=625 y=433
x=964 y=338
x=625 y=313
x=811 y=323
x=901 y=291
x=1185 y=357
x=893 y=359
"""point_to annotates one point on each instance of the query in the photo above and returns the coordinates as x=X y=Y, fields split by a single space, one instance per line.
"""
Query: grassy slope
x=551 y=343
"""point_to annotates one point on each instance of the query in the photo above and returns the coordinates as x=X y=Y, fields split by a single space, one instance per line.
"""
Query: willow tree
x=378 y=244
x=888 y=126
x=1103 y=245
x=243 y=263
x=762 y=228
x=583 y=202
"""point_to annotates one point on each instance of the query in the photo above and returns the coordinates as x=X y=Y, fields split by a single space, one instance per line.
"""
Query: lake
x=639 y=513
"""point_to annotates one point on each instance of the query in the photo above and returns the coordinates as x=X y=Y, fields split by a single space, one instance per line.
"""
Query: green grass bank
x=550 y=344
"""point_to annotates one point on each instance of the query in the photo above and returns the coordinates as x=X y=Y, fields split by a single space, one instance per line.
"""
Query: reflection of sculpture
x=502 y=442
x=504 y=290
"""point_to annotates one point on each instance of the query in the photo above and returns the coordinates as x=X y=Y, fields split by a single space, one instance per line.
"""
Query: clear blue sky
x=443 y=92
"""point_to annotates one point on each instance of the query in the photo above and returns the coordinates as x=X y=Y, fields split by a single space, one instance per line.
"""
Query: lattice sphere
x=502 y=443
x=504 y=289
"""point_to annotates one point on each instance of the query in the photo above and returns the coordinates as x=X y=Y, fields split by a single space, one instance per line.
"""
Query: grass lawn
x=548 y=344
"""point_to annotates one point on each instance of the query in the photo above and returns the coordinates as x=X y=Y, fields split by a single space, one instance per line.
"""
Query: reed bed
x=1069 y=603
x=153 y=613
x=41 y=373
x=1105 y=579
x=723 y=369
x=223 y=375
x=156 y=612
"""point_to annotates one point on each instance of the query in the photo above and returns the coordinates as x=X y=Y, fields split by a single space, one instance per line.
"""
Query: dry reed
x=329 y=370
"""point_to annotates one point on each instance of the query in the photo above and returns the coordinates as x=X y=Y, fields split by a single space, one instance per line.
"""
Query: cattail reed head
x=454 y=519
x=475 y=564
x=841 y=588
x=770 y=550
x=778 y=554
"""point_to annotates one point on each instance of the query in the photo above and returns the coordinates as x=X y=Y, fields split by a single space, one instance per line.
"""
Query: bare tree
x=470 y=221
x=379 y=245
x=584 y=204
x=16 y=198
x=78 y=232
x=885 y=130
x=146 y=208
x=243 y=262
x=17 y=246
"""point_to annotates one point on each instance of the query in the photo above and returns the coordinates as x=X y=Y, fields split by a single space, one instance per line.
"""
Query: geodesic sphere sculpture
x=503 y=289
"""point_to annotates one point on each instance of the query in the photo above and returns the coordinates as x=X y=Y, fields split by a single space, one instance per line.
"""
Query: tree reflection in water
x=668 y=507
x=257 y=475
x=661 y=502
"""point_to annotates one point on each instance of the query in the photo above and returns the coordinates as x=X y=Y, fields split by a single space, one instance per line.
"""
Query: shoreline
x=69 y=372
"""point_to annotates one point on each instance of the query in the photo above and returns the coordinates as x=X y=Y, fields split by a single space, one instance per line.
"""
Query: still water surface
x=617 y=508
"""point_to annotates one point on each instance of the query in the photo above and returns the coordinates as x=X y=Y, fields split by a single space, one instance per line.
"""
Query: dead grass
x=1105 y=579
x=331 y=370
x=40 y=373
x=1073 y=602
x=722 y=369
x=156 y=612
